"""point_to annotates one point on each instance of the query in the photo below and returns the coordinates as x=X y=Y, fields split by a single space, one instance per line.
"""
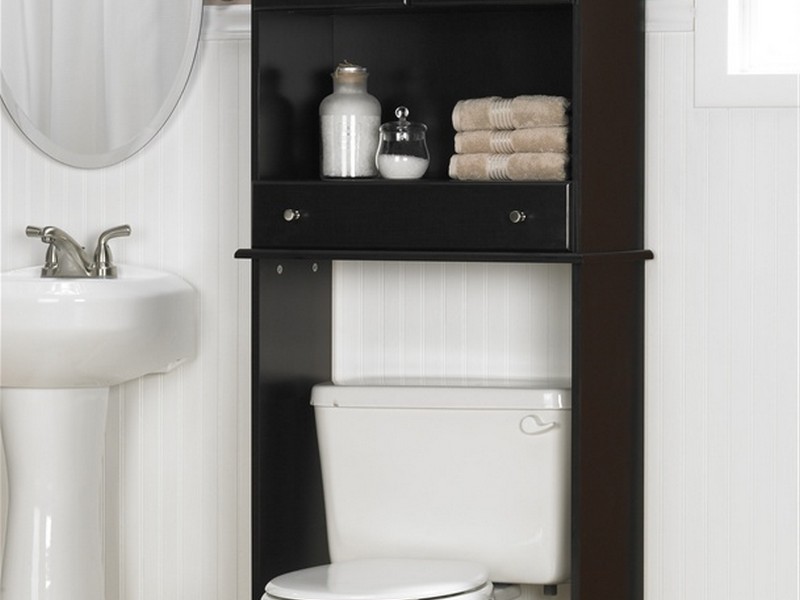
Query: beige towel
x=494 y=112
x=535 y=139
x=529 y=166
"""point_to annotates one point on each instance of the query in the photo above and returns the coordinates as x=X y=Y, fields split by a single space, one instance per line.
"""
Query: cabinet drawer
x=413 y=216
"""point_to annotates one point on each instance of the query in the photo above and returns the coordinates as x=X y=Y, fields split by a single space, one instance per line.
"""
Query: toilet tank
x=478 y=474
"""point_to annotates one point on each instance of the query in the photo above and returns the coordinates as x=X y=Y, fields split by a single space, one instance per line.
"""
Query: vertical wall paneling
x=3 y=475
x=722 y=340
x=176 y=506
x=451 y=323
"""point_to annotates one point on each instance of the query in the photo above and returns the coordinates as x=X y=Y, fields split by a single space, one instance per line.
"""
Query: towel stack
x=510 y=139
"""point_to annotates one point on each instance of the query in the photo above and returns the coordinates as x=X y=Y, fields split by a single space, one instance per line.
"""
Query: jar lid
x=403 y=124
x=347 y=69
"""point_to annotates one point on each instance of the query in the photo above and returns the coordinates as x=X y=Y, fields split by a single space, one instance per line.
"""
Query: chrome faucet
x=67 y=258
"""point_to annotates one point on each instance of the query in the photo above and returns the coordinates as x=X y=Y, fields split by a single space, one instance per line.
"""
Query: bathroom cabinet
x=426 y=55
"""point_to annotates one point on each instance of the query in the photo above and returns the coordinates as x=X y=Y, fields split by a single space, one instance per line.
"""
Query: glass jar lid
x=403 y=128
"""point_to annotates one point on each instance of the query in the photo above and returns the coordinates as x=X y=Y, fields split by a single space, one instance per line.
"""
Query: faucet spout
x=68 y=258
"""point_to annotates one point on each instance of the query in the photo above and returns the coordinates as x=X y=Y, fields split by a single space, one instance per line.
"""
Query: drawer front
x=445 y=216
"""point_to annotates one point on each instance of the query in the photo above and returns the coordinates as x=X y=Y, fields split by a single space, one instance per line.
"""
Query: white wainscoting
x=176 y=506
x=721 y=469
x=451 y=323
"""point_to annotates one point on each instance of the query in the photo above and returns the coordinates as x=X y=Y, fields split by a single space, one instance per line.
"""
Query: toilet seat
x=384 y=579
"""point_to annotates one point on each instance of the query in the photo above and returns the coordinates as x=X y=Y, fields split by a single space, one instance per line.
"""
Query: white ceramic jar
x=350 y=120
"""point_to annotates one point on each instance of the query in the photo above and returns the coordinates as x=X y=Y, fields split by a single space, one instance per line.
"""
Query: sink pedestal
x=64 y=342
x=54 y=442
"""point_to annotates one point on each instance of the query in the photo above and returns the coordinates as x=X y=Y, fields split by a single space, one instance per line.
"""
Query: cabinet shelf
x=441 y=256
x=424 y=60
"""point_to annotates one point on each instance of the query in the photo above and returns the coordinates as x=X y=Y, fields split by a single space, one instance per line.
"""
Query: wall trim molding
x=226 y=22
x=669 y=15
x=233 y=21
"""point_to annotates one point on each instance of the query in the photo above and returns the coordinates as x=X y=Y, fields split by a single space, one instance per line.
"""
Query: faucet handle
x=114 y=232
x=103 y=262
x=33 y=231
x=118 y=231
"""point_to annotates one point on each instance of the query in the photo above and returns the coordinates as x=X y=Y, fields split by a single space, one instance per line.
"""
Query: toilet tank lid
x=433 y=397
x=380 y=579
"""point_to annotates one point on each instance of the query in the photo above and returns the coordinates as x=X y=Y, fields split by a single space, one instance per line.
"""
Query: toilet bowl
x=466 y=485
x=384 y=579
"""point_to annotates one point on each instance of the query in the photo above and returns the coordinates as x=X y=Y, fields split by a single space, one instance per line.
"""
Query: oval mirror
x=90 y=82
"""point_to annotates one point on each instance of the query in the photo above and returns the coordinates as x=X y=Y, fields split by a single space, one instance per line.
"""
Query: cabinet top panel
x=370 y=5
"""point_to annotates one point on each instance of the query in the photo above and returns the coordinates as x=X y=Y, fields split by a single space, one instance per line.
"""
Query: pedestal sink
x=63 y=343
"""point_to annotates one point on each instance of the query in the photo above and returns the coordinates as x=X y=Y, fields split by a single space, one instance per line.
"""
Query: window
x=747 y=53
x=763 y=36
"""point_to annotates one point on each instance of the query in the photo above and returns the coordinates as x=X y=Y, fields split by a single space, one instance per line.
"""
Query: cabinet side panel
x=608 y=429
x=609 y=146
x=292 y=353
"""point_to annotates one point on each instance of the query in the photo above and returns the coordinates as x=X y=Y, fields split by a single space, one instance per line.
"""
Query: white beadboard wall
x=176 y=505
x=451 y=323
x=723 y=191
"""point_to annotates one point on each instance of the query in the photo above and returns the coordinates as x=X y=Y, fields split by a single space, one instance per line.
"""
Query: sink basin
x=63 y=343
x=79 y=333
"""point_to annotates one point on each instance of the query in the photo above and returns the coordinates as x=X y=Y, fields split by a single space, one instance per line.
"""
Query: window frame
x=714 y=86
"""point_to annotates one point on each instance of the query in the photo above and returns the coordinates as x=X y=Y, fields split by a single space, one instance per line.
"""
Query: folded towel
x=528 y=166
x=494 y=112
x=534 y=139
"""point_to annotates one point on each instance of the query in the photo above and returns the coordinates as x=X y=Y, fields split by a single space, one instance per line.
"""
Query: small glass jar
x=402 y=151
x=349 y=121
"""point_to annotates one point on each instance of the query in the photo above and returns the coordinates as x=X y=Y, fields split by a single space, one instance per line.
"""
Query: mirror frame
x=148 y=132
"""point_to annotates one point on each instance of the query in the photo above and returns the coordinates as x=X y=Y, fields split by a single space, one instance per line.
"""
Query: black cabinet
x=427 y=55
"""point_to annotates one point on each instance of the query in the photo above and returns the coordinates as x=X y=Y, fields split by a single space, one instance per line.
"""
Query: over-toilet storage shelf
x=427 y=55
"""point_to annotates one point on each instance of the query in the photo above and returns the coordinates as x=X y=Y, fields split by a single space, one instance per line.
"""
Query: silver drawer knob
x=517 y=216
x=291 y=214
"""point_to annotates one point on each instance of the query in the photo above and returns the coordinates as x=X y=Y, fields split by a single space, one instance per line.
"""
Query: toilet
x=438 y=492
